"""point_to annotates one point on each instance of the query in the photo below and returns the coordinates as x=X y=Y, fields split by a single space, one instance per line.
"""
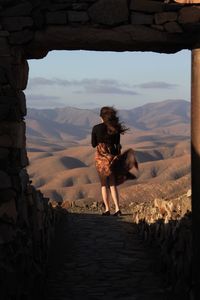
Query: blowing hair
x=111 y=120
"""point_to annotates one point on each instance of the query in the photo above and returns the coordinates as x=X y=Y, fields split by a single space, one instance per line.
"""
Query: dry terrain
x=62 y=159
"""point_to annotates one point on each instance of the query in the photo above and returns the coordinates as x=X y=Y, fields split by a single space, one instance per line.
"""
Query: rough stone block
x=38 y=19
x=109 y=12
x=59 y=18
x=20 y=74
x=173 y=27
x=172 y=7
x=8 y=211
x=80 y=6
x=4 y=33
x=22 y=103
x=3 y=76
x=17 y=23
x=77 y=16
x=24 y=162
x=5 y=180
x=7 y=195
x=57 y=7
x=12 y=134
x=164 y=17
x=22 y=9
x=21 y=37
x=7 y=233
x=147 y=6
x=4 y=46
x=189 y=15
x=140 y=18
x=158 y=27
x=9 y=109
x=4 y=153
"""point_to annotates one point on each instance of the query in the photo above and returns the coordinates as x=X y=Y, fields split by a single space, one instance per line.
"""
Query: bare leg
x=105 y=196
x=115 y=196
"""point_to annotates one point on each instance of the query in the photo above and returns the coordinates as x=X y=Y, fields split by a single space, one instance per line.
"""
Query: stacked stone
x=26 y=219
x=166 y=224
x=23 y=24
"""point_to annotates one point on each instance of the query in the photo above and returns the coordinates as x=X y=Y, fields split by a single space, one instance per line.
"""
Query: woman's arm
x=93 y=138
x=118 y=145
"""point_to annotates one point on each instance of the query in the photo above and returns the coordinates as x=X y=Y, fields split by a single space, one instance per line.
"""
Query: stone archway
x=30 y=29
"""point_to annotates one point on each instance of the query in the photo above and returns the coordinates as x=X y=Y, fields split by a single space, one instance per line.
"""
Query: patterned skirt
x=114 y=169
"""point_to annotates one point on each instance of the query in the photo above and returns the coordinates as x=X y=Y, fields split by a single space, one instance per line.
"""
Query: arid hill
x=61 y=157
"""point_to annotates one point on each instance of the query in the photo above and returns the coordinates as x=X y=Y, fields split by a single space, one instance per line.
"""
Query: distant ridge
x=70 y=123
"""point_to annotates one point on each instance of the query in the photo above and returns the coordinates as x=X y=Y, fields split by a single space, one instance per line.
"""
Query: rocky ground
x=97 y=257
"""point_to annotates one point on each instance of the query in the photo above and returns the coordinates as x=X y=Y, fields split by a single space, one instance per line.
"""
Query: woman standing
x=112 y=166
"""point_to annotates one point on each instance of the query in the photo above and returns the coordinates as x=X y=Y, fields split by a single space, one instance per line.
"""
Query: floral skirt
x=114 y=169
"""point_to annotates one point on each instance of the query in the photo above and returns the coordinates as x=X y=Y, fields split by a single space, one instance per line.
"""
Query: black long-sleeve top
x=100 y=135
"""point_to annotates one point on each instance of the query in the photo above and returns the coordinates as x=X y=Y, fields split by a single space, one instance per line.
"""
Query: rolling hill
x=62 y=159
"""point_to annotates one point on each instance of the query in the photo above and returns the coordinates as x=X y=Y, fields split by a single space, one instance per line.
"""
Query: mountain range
x=62 y=159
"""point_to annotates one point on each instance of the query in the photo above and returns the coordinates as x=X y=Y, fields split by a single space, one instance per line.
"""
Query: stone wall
x=166 y=225
x=38 y=26
x=26 y=219
x=29 y=29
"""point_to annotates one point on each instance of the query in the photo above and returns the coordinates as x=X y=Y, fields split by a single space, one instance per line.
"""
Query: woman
x=112 y=166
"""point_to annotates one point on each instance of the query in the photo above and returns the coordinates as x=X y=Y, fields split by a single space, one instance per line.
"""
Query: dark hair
x=110 y=118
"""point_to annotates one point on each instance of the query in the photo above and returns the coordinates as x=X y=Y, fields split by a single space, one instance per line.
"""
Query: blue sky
x=89 y=79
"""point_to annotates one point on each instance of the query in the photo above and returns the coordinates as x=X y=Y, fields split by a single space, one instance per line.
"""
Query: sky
x=90 y=79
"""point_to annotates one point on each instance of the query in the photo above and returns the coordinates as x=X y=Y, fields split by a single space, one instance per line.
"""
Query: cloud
x=40 y=97
x=87 y=85
x=39 y=100
x=156 y=85
x=104 y=89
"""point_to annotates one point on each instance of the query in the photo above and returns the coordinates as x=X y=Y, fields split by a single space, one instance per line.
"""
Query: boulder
x=77 y=16
x=16 y=23
x=109 y=12
x=189 y=14
x=140 y=18
x=147 y=6
x=58 y=18
x=164 y=17
x=21 y=9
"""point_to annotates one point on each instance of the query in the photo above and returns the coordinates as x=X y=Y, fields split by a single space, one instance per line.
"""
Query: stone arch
x=31 y=28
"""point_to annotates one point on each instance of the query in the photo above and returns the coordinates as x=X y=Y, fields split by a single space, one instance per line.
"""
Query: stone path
x=96 y=257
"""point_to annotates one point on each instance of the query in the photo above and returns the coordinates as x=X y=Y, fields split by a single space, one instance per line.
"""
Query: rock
x=189 y=15
x=173 y=27
x=140 y=18
x=189 y=193
x=58 y=7
x=3 y=76
x=20 y=74
x=5 y=180
x=4 y=33
x=22 y=9
x=7 y=195
x=164 y=17
x=21 y=37
x=147 y=6
x=16 y=23
x=80 y=6
x=4 y=46
x=8 y=211
x=158 y=27
x=58 y=18
x=9 y=109
x=38 y=19
x=22 y=103
x=12 y=134
x=109 y=12
x=77 y=16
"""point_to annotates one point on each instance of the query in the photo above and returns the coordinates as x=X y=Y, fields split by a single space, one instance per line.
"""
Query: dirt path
x=96 y=257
